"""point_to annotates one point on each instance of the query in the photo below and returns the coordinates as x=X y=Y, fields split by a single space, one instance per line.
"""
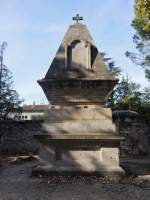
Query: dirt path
x=17 y=183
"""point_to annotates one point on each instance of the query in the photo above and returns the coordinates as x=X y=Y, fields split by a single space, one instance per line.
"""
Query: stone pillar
x=117 y=123
x=0 y=148
x=66 y=62
x=127 y=118
x=0 y=137
x=89 y=56
x=135 y=139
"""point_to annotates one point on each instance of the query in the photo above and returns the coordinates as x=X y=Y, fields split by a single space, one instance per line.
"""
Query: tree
x=115 y=72
x=110 y=64
x=142 y=36
x=140 y=102
x=37 y=117
x=9 y=98
x=127 y=95
x=142 y=7
x=126 y=88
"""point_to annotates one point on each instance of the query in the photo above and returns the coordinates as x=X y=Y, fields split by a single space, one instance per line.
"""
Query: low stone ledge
x=89 y=136
x=125 y=113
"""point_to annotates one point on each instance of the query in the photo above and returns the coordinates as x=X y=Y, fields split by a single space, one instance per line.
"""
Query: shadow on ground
x=16 y=182
x=135 y=165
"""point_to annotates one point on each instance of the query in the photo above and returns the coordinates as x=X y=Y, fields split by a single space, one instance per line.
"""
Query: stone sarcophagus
x=78 y=136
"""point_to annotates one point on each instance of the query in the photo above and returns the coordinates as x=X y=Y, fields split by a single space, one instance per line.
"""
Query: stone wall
x=135 y=130
x=17 y=136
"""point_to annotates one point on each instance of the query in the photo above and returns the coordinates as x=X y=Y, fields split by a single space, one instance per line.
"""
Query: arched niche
x=78 y=54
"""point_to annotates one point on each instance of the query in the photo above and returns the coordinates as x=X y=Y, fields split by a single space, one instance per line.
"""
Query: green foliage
x=37 y=117
x=127 y=95
x=125 y=88
x=142 y=8
x=114 y=71
x=141 y=37
x=9 y=98
x=139 y=102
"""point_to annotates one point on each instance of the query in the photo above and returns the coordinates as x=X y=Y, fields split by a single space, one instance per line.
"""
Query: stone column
x=0 y=148
x=89 y=56
x=66 y=62
x=0 y=137
x=117 y=123
x=135 y=138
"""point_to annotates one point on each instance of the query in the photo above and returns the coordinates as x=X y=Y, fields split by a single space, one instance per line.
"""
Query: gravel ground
x=17 y=183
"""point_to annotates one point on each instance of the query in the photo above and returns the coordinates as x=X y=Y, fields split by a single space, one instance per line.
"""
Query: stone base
x=110 y=172
x=79 y=141
x=78 y=157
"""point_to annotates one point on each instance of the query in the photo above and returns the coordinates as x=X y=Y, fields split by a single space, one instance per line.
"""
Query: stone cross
x=77 y=18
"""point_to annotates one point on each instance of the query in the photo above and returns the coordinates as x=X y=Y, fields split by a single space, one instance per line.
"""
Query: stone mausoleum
x=78 y=136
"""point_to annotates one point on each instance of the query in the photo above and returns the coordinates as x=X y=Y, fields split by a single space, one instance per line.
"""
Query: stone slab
x=59 y=113
x=77 y=91
x=78 y=127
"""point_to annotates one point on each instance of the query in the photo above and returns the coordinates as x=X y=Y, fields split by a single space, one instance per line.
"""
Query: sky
x=34 y=29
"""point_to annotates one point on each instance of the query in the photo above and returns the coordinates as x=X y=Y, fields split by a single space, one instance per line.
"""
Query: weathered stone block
x=135 y=151
x=129 y=148
x=110 y=157
x=79 y=127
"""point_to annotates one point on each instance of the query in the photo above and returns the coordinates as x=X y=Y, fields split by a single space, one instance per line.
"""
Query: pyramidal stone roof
x=78 y=57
